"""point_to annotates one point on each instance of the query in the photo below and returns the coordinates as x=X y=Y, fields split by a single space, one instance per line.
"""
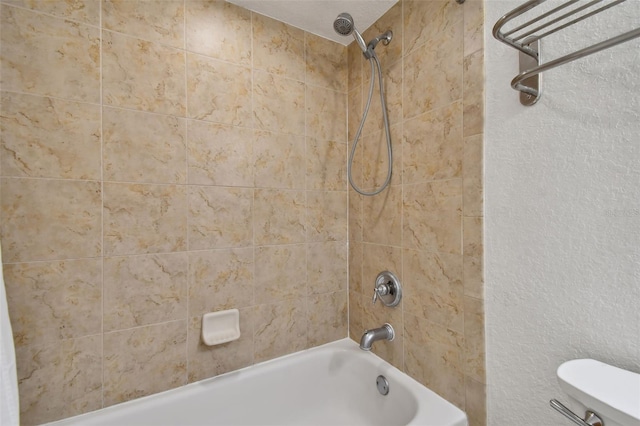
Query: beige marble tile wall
x=161 y=160
x=427 y=226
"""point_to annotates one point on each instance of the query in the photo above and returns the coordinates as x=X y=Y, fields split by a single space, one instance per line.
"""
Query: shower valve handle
x=388 y=289
x=381 y=290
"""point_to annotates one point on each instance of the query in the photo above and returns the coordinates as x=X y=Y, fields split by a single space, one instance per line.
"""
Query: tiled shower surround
x=427 y=227
x=164 y=159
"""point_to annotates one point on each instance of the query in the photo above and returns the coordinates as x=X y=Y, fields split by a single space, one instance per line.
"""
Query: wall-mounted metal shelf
x=526 y=37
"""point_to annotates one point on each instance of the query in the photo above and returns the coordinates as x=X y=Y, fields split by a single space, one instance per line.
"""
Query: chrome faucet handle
x=381 y=289
x=387 y=288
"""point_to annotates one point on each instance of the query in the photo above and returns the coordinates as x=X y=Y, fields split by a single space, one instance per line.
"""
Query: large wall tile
x=354 y=111
x=279 y=160
x=279 y=216
x=142 y=75
x=50 y=219
x=46 y=137
x=382 y=218
x=218 y=91
x=473 y=176
x=327 y=216
x=432 y=145
x=158 y=21
x=279 y=329
x=326 y=165
x=392 y=77
x=60 y=379
x=219 y=29
x=435 y=67
x=356 y=310
x=220 y=279
x=208 y=361
x=473 y=26
x=473 y=277
x=375 y=259
x=355 y=267
x=278 y=103
x=143 y=147
x=433 y=356
x=326 y=64
x=280 y=273
x=356 y=206
x=85 y=11
x=327 y=318
x=472 y=236
x=326 y=114
x=473 y=78
x=144 y=218
x=220 y=217
x=375 y=158
x=53 y=301
x=473 y=253
x=49 y=56
x=220 y=154
x=432 y=216
x=143 y=290
x=475 y=402
x=355 y=62
x=278 y=47
x=433 y=287
x=474 y=358
x=426 y=20
x=144 y=360
x=326 y=267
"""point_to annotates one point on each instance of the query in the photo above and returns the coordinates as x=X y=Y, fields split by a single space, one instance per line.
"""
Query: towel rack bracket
x=528 y=62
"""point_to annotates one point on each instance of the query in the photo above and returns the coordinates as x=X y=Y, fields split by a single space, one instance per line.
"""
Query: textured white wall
x=562 y=218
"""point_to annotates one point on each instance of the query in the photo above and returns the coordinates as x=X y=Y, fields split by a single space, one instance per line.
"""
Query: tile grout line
x=102 y=248
x=186 y=165
x=253 y=209
x=461 y=224
x=402 y=251
x=306 y=193
x=346 y=151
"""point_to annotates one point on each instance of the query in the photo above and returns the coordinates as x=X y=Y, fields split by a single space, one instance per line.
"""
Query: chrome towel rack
x=526 y=38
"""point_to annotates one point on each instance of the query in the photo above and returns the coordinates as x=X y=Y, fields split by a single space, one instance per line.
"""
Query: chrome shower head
x=344 y=25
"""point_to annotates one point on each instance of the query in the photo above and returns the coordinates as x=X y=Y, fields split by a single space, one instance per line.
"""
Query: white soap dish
x=220 y=327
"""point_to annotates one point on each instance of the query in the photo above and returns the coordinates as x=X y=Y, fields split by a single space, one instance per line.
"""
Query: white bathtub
x=334 y=384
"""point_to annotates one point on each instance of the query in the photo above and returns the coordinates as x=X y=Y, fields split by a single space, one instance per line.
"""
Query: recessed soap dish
x=220 y=327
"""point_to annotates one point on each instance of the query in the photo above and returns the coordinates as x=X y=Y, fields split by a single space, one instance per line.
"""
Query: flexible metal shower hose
x=385 y=117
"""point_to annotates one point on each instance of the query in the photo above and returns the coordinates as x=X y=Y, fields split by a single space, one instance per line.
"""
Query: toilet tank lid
x=608 y=390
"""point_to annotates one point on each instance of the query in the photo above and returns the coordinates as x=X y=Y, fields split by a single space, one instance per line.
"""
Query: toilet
x=610 y=392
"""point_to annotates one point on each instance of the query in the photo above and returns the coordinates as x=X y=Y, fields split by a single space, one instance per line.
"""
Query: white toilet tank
x=611 y=392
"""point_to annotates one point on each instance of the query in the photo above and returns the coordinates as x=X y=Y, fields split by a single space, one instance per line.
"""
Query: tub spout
x=383 y=333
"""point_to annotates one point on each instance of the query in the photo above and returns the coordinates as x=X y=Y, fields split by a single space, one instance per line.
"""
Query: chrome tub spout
x=383 y=333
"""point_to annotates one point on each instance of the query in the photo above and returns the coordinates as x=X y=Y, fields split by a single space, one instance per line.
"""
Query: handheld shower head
x=344 y=25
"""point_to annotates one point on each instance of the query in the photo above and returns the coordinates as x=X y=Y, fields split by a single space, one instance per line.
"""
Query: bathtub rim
x=459 y=417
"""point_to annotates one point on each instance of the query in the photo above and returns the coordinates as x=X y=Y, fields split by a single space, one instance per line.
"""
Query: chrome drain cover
x=382 y=384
